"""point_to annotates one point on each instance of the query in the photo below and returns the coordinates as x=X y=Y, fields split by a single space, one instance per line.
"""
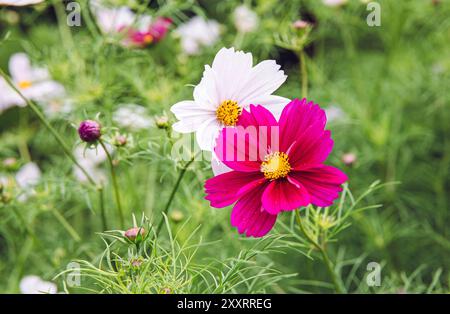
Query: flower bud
x=162 y=122
x=136 y=262
x=10 y=163
x=166 y=291
x=349 y=159
x=176 y=215
x=89 y=131
x=120 y=140
x=300 y=24
x=132 y=233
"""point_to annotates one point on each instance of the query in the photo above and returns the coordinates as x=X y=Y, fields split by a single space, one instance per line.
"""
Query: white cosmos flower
x=228 y=86
x=197 y=33
x=32 y=284
x=28 y=176
x=132 y=117
x=245 y=19
x=19 y=2
x=33 y=82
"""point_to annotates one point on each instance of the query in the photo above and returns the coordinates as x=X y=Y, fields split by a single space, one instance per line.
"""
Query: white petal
x=264 y=79
x=217 y=166
x=44 y=91
x=275 y=104
x=8 y=97
x=19 y=2
x=232 y=69
x=191 y=116
x=34 y=285
x=207 y=133
x=207 y=92
x=28 y=176
x=20 y=67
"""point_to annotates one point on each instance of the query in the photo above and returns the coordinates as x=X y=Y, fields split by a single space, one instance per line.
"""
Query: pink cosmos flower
x=155 y=32
x=276 y=166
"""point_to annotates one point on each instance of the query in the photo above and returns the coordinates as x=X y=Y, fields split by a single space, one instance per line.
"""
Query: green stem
x=330 y=267
x=66 y=225
x=172 y=194
x=55 y=133
x=304 y=73
x=102 y=208
x=115 y=185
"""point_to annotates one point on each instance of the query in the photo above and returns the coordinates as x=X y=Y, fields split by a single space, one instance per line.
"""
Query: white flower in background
x=114 y=20
x=198 y=33
x=334 y=3
x=57 y=107
x=33 y=82
x=90 y=159
x=35 y=285
x=228 y=86
x=132 y=117
x=19 y=2
x=334 y=113
x=245 y=19
x=28 y=176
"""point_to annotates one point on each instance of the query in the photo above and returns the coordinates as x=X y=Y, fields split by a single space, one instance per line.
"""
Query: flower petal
x=296 y=118
x=283 y=195
x=249 y=216
x=322 y=182
x=207 y=133
x=264 y=79
x=20 y=67
x=222 y=190
x=191 y=116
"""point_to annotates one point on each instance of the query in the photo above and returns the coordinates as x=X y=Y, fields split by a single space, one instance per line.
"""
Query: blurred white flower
x=33 y=82
x=19 y=2
x=334 y=113
x=90 y=159
x=132 y=117
x=245 y=19
x=197 y=33
x=32 y=284
x=334 y=3
x=114 y=20
x=28 y=176
x=57 y=107
x=231 y=84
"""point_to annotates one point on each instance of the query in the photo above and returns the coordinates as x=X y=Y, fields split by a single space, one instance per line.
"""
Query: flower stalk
x=172 y=194
x=115 y=184
x=338 y=286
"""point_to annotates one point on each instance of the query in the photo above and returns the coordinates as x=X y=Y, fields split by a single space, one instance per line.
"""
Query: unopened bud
x=162 y=122
x=89 y=131
x=120 y=140
x=300 y=24
x=132 y=233
x=176 y=215
x=166 y=291
x=349 y=159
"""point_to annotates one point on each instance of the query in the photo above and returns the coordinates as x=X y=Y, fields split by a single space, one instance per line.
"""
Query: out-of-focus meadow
x=386 y=92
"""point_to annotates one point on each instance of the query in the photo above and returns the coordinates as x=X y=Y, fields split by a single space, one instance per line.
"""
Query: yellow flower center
x=24 y=84
x=275 y=166
x=228 y=112
x=148 y=38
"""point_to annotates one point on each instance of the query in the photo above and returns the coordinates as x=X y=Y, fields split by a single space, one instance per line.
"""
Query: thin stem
x=55 y=133
x=330 y=267
x=102 y=208
x=304 y=73
x=172 y=194
x=115 y=185
x=66 y=225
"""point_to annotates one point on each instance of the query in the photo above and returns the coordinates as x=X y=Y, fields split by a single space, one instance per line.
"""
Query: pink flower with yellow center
x=276 y=166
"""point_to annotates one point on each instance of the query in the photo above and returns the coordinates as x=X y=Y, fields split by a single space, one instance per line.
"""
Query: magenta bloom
x=89 y=131
x=155 y=32
x=276 y=166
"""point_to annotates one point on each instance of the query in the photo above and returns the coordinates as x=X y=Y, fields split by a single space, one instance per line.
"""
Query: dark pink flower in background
x=155 y=32
x=89 y=131
x=276 y=166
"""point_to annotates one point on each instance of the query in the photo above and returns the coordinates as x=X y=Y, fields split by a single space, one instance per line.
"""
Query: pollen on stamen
x=275 y=166
x=228 y=112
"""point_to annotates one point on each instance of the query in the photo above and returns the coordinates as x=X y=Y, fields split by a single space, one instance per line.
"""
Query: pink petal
x=283 y=195
x=238 y=148
x=296 y=118
x=257 y=116
x=249 y=216
x=313 y=147
x=322 y=182
x=223 y=189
